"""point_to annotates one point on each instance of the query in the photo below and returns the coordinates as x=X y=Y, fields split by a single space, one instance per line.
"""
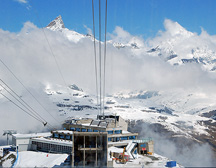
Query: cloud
x=185 y=151
x=126 y=68
x=28 y=55
x=120 y=35
x=136 y=69
x=22 y=1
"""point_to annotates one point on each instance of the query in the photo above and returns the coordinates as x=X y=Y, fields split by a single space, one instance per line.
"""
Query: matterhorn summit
x=56 y=24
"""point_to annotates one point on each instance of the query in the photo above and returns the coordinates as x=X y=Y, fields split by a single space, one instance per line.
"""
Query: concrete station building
x=115 y=126
x=86 y=141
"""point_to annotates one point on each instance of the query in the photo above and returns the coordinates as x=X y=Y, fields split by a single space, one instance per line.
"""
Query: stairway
x=130 y=148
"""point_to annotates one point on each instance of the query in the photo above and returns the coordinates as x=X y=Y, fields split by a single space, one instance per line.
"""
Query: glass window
x=110 y=132
x=72 y=129
x=124 y=138
x=90 y=130
x=143 y=145
x=96 y=131
x=68 y=137
x=55 y=135
x=118 y=131
x=83 y=130
x=61 y=136
x=132 y=137
x=78 y=129
x=109 y=139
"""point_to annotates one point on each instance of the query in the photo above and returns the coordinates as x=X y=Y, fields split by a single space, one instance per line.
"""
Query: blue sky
x=138 y=17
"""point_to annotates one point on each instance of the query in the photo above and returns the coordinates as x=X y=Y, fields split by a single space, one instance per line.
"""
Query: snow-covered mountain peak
x=175 y=29
x=175 y=45
x=56 y=24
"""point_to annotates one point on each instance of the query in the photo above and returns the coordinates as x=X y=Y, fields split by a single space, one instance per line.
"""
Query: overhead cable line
x=100 y=59
x=52 y=53
x=45 y=124
x=102 y=71
x=95 y=54
x=20 y=107
x=104 y=82
x=39 y=119
x=51 y=50
x=21 y=101
x=25 y=105
x=26 y=88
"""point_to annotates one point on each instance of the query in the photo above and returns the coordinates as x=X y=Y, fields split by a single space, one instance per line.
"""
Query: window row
x=85 y=130
x=116 y=139
x=62 y=136
x=46 y=147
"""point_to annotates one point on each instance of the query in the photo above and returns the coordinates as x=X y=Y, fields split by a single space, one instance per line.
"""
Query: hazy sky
x=139 y=17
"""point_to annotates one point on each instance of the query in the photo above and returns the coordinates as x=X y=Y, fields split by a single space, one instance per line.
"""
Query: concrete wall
x=13 y=141
x=23 y=144
x=123 y=124
x=23 y=147
x=148 y=145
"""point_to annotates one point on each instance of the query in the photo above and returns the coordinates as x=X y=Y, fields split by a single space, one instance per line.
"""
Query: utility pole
x=9 y=132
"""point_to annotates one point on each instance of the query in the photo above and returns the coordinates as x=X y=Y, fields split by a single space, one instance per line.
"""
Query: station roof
x=33 y=135
x=53 y=141
x=101 y=121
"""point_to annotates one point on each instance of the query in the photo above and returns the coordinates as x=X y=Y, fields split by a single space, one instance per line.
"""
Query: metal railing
x=142 y=140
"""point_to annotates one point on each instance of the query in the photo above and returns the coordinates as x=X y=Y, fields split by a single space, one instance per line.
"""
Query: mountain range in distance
x=184 y=117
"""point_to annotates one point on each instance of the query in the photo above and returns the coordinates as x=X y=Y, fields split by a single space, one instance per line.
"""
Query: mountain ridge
x=175 y=35
x=181 y=113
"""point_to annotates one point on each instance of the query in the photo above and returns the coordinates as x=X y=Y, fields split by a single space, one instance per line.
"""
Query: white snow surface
x=39 y=159
x=177 y=111
x=154 y=160
x=146 y=161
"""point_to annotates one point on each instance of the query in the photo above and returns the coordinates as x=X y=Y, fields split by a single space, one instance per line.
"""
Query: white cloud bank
x=28 y=55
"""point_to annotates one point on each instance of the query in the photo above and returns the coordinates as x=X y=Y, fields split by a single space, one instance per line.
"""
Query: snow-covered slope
x=177 y=114
x=183 y=112
x=178 y=111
